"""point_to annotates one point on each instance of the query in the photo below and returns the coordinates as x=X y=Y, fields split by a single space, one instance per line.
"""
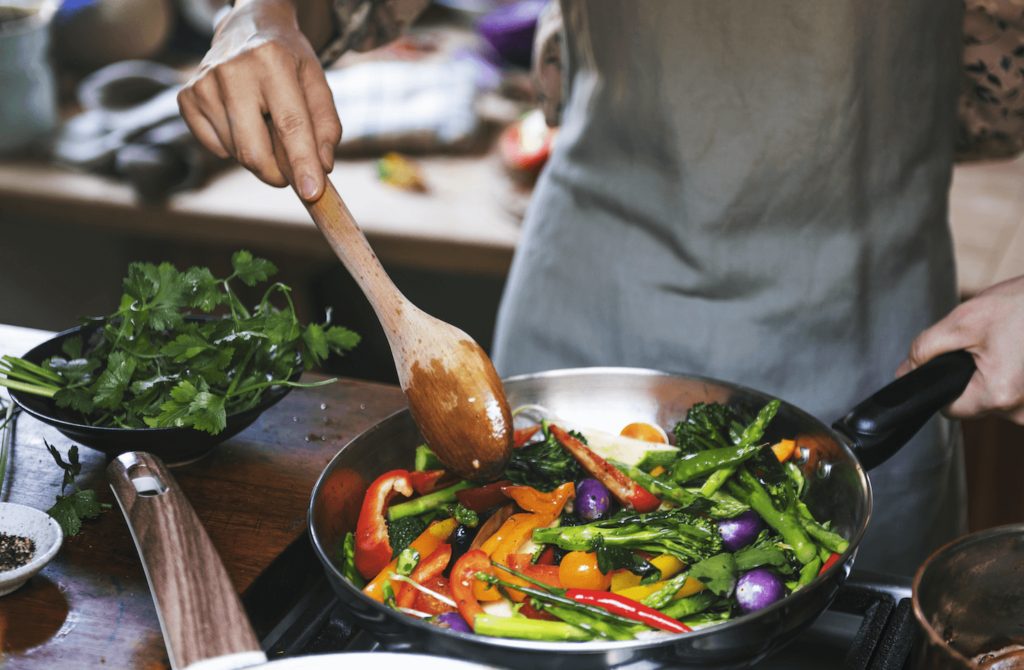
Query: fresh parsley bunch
x=147 y=366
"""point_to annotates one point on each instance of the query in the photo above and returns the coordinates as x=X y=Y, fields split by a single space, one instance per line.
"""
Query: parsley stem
x=238 y=373
x=301 y=385
x=20 y=363
x=45 y=391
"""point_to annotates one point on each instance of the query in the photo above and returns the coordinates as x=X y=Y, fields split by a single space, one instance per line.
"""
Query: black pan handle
x=879 y=426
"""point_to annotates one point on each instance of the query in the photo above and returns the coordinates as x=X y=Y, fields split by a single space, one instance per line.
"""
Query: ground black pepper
x=15 y=551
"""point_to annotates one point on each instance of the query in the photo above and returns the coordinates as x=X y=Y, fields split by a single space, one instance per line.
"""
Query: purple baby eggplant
x=455 y=622
x=592 y=500
x=758 y=589
x=741 y=530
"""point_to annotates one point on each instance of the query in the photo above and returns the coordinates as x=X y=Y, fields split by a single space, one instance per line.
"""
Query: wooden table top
x=91 y=606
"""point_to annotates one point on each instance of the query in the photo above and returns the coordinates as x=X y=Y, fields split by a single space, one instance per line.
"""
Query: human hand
x=991 y=327
x=261 y=63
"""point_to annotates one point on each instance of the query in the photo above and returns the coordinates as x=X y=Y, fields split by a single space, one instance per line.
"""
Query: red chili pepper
x=829 y=563
x=483 y=498
x=628 y=608
x=520 y=437
x=428 y=481
x=373 y=546
x=428 y=567
x=630 y=494
x=462 y=581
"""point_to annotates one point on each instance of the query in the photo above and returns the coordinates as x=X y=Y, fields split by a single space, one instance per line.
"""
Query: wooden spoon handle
x=200 y=614
x=336 y=223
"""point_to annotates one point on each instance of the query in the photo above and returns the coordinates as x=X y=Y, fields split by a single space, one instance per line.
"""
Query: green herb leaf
x=315 y=340
x=341 y=339
x=718 y=573
x=203 y=289
x=79 y=399
x=251 y=270
x=64 y=512
x=114 y=381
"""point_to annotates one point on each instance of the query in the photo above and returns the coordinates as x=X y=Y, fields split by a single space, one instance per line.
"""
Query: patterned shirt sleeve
x=991 y=105
x=367 y=24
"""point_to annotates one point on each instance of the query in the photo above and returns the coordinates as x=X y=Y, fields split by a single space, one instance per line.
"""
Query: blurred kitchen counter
x=462 y=226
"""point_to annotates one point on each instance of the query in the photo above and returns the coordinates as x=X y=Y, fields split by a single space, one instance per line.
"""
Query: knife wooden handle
x=200 y=614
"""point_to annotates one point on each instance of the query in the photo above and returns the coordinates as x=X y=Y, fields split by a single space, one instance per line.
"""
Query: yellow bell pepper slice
x=670 y=566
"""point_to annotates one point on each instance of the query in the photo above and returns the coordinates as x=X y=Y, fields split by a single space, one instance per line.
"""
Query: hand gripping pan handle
x=879 y=426
x=203 y=621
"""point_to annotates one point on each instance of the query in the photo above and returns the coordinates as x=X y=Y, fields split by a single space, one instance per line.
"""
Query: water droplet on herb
x=323 y=405
x=362 y=407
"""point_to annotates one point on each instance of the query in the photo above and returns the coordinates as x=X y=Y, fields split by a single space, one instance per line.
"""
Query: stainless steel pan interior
x=609 y=398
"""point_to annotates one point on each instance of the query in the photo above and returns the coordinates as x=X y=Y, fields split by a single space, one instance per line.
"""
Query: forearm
x=313 y=17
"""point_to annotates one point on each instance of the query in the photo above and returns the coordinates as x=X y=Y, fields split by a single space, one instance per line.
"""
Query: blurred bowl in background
x=28 y=93
x=89 y=34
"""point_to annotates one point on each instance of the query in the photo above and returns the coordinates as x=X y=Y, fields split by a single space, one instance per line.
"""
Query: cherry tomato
x=579 y=570
x=430 y=604
x=646 y=432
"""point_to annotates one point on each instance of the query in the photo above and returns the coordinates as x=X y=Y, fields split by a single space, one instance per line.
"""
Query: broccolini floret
x=402 y=532
x=688 y=537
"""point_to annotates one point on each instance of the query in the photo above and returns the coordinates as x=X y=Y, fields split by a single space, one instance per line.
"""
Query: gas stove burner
x=870 y=626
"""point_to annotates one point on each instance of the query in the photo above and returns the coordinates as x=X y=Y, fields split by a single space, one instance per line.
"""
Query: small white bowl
x=39 y=527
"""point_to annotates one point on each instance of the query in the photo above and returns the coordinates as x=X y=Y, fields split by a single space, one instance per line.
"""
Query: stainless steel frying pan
x=835 y=459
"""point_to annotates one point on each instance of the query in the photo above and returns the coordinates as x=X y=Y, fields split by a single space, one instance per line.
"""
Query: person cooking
x=755 y=192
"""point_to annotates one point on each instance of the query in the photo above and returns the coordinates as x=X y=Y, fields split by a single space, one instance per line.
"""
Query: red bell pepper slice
x=829 y=563
x=428 y=567
x=373 y=546
x=531 y=612
x=547 y=557
x=630 y=494
x=520 y=437
x=626 y=607
x=462 y=581
x=483 y=498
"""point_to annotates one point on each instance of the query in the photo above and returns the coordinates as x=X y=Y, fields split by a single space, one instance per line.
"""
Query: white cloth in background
x=432 y=102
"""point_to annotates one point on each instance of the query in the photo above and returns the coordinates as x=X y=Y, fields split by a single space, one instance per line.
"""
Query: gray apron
x=756 y=192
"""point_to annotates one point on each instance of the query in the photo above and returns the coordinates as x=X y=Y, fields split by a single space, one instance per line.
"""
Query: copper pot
x=969 y=603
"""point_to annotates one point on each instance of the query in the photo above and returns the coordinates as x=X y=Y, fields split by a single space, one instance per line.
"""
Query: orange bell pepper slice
x=784 y=449
x=548 y=504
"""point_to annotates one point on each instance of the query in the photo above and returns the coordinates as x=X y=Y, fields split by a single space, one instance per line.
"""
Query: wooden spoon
x=454 y=393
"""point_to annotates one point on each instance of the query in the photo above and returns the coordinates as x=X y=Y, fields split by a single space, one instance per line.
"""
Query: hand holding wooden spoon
x=454 y=393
